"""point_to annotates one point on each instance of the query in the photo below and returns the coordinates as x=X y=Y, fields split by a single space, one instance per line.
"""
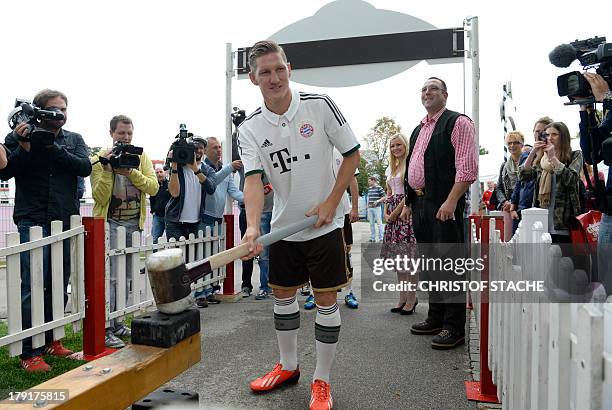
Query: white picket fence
x=13 y=284
x=140 y=297
x=130 y=299
x=545 y=355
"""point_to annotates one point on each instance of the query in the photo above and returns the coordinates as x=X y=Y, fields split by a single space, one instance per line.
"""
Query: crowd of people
x=291 y=140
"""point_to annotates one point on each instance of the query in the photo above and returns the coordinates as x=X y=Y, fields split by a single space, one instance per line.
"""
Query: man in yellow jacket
x=120 y=196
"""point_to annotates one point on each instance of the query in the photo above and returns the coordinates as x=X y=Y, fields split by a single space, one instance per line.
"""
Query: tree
x=94 y=151
x=362 y=178
x=377 y=146
x=482 y=150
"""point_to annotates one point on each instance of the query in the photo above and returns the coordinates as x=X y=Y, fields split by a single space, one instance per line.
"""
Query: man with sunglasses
x=46 y=190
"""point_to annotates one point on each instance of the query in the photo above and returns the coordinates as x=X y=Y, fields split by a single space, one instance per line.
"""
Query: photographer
x=120 y=196
x=158 y=205
x=593 y=155
x=46 y=190
x=188 y=187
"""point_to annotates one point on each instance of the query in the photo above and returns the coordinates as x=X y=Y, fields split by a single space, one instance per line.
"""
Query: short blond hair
x=515 y=135
x=261 y=48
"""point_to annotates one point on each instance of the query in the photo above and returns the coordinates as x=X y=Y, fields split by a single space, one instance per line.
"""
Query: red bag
x=584 y=229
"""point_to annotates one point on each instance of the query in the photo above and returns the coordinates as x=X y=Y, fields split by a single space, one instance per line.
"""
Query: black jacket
x=46 y=178
x=159 y=201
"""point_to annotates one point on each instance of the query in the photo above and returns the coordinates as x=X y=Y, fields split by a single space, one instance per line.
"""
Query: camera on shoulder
x=591 y=53
x=26 y=112
x=183 y=149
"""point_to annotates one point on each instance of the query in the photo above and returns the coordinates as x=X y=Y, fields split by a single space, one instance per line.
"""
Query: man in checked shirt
x=442 y=164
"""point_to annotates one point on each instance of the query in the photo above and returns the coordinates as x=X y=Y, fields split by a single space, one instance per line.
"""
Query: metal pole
x=474 y=54
x=227 y=147
x=228 y=283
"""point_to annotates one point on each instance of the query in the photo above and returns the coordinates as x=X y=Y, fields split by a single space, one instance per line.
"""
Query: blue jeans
x=159 y=225
x=604 y=246
x=130 y=228
x=23 y=227
x=375 y=219
x=264 y=260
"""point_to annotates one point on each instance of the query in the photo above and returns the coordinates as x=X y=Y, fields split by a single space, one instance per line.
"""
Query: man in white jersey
x=291 y=138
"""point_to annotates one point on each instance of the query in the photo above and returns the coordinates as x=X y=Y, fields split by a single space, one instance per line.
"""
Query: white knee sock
x=287 y=324
x=327 y=330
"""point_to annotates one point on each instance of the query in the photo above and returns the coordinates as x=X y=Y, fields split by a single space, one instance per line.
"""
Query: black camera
x=183 y=149
x=123 y=155
x=591 y=53
x=543 y=136
x=238 y=116
x=26 y=112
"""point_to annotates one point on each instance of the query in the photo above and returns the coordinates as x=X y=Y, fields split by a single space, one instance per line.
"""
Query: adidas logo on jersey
x=266 y=144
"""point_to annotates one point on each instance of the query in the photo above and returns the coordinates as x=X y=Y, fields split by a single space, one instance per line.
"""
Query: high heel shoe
x=398 y=309
x=411 y=311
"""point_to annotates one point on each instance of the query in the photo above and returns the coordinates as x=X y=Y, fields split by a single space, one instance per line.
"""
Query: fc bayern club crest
x=306 y=130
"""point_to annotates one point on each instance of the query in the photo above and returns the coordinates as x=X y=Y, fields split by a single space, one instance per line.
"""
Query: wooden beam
x=135 y=371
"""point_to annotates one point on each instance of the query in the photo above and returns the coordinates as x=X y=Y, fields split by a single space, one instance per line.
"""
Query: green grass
x=14 y=378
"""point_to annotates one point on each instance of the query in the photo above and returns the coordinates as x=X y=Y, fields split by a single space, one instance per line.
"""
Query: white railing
x=35 y=246
x=139 y=296
x=546 y=355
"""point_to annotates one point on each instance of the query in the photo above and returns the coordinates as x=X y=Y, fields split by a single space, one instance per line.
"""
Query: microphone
x=563 y=55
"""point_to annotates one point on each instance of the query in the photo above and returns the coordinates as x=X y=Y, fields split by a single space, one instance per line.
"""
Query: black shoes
x=411 y=311
x=446 y=340
x=398 y=309
x=425 y=328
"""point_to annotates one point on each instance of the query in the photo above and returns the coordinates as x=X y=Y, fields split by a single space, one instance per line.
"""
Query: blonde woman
x=398 y=233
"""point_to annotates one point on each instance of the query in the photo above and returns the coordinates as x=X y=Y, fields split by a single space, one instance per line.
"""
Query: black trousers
x=445 y=308
x=247 y=266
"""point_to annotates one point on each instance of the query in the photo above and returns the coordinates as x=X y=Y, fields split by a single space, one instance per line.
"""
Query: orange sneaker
x=35 y=364
x=277 y=377
x=320 y=396
x=57 y=349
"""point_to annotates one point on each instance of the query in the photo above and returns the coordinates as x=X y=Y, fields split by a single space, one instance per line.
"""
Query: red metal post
x=477 y=221
x=228 y=283
x=484 y=390
x=95 y=298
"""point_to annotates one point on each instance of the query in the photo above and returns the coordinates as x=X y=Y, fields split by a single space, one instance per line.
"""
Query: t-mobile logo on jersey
x=283 y=158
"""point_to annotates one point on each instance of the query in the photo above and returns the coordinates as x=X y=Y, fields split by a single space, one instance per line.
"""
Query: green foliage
x=377 y=147
x=482 y=150
x=94 y=151
x=362 y=178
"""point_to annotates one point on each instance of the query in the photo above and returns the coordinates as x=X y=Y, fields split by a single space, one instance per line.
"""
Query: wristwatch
x=174 y=171
x=199 y=171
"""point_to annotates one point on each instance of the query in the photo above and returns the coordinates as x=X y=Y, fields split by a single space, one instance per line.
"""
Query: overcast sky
x=162 y=63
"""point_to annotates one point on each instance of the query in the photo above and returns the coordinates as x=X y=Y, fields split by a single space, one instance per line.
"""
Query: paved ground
x=379 y=364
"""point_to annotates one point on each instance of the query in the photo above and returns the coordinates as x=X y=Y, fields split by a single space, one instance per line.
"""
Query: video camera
x=238 y=116
x=183 y=149
x=592 y=52
x=123 y=156
x=26 y=112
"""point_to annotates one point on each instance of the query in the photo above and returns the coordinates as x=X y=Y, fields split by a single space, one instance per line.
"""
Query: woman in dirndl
x=399 y=237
